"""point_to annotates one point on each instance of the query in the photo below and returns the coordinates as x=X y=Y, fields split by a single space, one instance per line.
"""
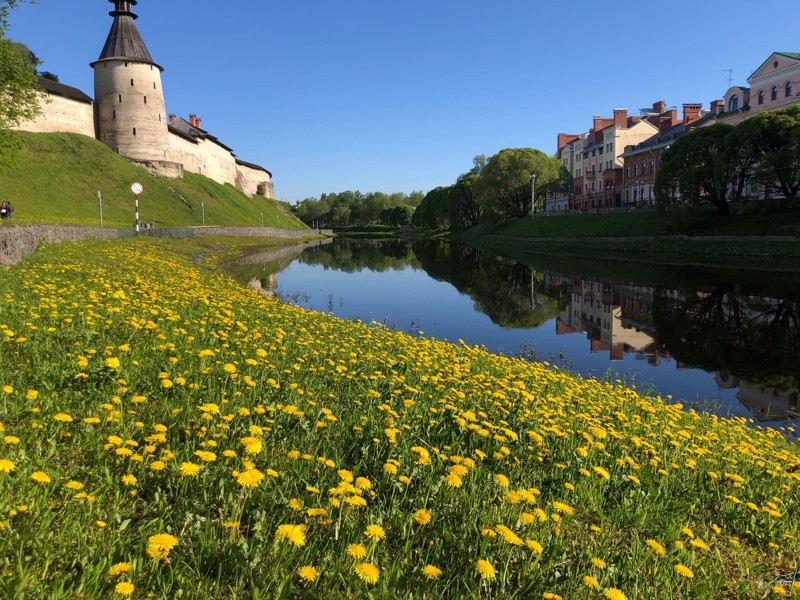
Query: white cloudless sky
x=396 y=96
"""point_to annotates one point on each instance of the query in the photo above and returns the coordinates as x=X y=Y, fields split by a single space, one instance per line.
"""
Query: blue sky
x=373 y=95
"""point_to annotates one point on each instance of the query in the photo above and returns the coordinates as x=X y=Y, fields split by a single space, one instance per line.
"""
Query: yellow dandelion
x=40 y=477
x=591 y=582
x=251 y=445
x=485 y=569
x=684 y=571
x=698 y=543
x=189 y=469
x=656 y=547
x=294 y=534
x=120 y=568
x=601 y=472
x=124 y=588
x=249 y=478
x=598 y=562
x=375 y=532
x=431 y=572
x=112 y=362
x=502 y=480
x=422 y=516
x=129 y=479
x=357 y=551
x=614 y=594
x=159 y=545
x=367 y=572
x=779 y=590
x=6 y=466
x=307 y=573
x=453 y=480
x=63 y=418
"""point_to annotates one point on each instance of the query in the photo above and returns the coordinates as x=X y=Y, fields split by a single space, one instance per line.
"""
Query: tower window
x=761 y=97
x=113 y=114
x=774 y=94
x=788 y=89
x=120 y=97
x=134 y=131
x=154 y=85
x=145 y=99
x=131 y=82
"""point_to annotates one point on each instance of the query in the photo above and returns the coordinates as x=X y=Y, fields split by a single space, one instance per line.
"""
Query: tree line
x=509 y=184
x=727 y=165
x=354 y=208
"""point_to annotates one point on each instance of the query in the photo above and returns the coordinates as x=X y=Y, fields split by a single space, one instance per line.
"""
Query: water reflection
x=745 y=335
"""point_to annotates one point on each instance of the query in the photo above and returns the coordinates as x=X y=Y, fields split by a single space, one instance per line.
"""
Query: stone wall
x=17 y=242
x=62 y=114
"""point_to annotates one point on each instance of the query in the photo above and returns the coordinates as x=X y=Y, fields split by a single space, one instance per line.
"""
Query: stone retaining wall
x=18 y=242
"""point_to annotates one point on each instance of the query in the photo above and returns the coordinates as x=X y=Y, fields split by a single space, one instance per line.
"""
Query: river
x=719 y=340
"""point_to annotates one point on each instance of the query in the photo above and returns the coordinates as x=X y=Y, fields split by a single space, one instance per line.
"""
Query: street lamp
x=533 y=193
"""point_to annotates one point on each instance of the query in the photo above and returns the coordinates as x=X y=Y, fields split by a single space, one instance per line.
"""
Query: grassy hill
x=59 y=174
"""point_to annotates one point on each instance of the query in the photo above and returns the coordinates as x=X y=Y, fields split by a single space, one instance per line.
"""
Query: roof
x=185 y=129
x=253 y=166
x=794 y=55
x=54 y=87
x=662 y=140
x=124 y=41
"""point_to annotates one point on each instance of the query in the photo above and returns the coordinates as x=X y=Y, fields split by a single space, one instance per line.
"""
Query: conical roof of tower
x=124 y=41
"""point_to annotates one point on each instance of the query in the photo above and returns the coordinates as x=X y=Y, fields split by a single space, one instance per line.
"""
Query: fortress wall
x=205 y=158
x=60 y=113
x=249 y=179
x=131 y=118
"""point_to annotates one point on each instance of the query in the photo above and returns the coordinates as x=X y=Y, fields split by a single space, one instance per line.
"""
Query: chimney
x=193 y=120
x=171 y=118
x=566 y=138
x=659 y=106
x=621 y=117
x=691 y=113
x=716 y=106
x=197 y=122
x=667 y=120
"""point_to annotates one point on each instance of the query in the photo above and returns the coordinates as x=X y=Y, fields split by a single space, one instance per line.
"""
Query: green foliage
x=434 y=211
x=354 y=208
x=18 y=92
x=59 y=175
x=504 y=185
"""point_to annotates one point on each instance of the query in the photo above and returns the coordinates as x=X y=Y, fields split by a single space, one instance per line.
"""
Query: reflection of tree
x=351 y=256
x=502 y=288
x=754 y=337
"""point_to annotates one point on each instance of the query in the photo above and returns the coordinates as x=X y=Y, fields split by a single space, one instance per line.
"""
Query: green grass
x=690 y=221
x=289 y=454
x=59 y=175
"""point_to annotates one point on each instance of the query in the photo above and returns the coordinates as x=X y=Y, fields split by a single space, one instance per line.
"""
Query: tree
x=464 y=210
x=777 y=134
x=19 y=93
x=397 y=216
x=700 y=167
x=504 y=183
x=434 y=210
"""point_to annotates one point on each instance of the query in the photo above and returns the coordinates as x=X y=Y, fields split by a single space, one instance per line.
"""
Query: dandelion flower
x=6 y=466
x=375 y=532
x=599 y=563
x=356 y=551
x=159 y=545
x=307 y=573
x=656 y=547
x=63 y=418
x=112 y=362
x=698 y=543
x=294 y=534
x=602 y=473
x=249 y=478
x=591 y=582
x=422 y=516
x=120 y=568
x=251 y=445
x=129 y=479
x=485 y=569
x=684 y=571
x=779 y=590
x=431 y=572
x=367 y=572
x=40 y=477
x=453 y=480
x=614 y=594
x=124 y=588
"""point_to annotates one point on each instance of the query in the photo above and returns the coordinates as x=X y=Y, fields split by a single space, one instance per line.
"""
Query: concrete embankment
x=18 y=242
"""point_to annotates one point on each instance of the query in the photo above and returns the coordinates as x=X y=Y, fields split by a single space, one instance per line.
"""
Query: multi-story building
x=641 y=161
x=557 y=200
x=600 y=161
x=772 y=86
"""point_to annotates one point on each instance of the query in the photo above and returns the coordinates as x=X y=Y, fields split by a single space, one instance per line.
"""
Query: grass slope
x=59 y=174
x=168 y=434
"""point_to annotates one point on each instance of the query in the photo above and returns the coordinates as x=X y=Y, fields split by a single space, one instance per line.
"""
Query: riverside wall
x=16 y=242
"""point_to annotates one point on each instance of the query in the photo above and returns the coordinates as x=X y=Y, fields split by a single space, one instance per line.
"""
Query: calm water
x=721 y=340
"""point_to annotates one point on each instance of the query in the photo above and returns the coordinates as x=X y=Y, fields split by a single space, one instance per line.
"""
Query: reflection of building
x=616 y=318
x=767 y=404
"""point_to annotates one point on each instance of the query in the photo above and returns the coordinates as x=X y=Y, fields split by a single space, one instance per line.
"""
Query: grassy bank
x=168 y=434
x=59 y=174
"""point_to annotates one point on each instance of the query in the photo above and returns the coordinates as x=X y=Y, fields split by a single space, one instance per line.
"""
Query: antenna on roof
x=730 y=76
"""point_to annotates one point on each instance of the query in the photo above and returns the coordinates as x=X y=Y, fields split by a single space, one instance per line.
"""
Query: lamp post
x=533 y=194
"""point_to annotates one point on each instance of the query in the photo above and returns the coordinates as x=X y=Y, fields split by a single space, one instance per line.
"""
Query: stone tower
x=130 y=116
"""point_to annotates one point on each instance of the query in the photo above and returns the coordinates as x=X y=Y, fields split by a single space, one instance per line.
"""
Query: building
x=773 y=86
x=641 y=161
x=568 y=149
x=128 y=114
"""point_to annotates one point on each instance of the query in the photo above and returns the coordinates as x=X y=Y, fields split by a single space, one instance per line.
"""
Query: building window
x=733 y=103
x=154 y=85
x=145 y=99
x=651 y=167
x=628 y=171
x=134 y=131
x=635 y=170
x=120 y=97
x=774 y=93
x=113 y=114
x=761 y=97
x=788 y=88
x=131 y=82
